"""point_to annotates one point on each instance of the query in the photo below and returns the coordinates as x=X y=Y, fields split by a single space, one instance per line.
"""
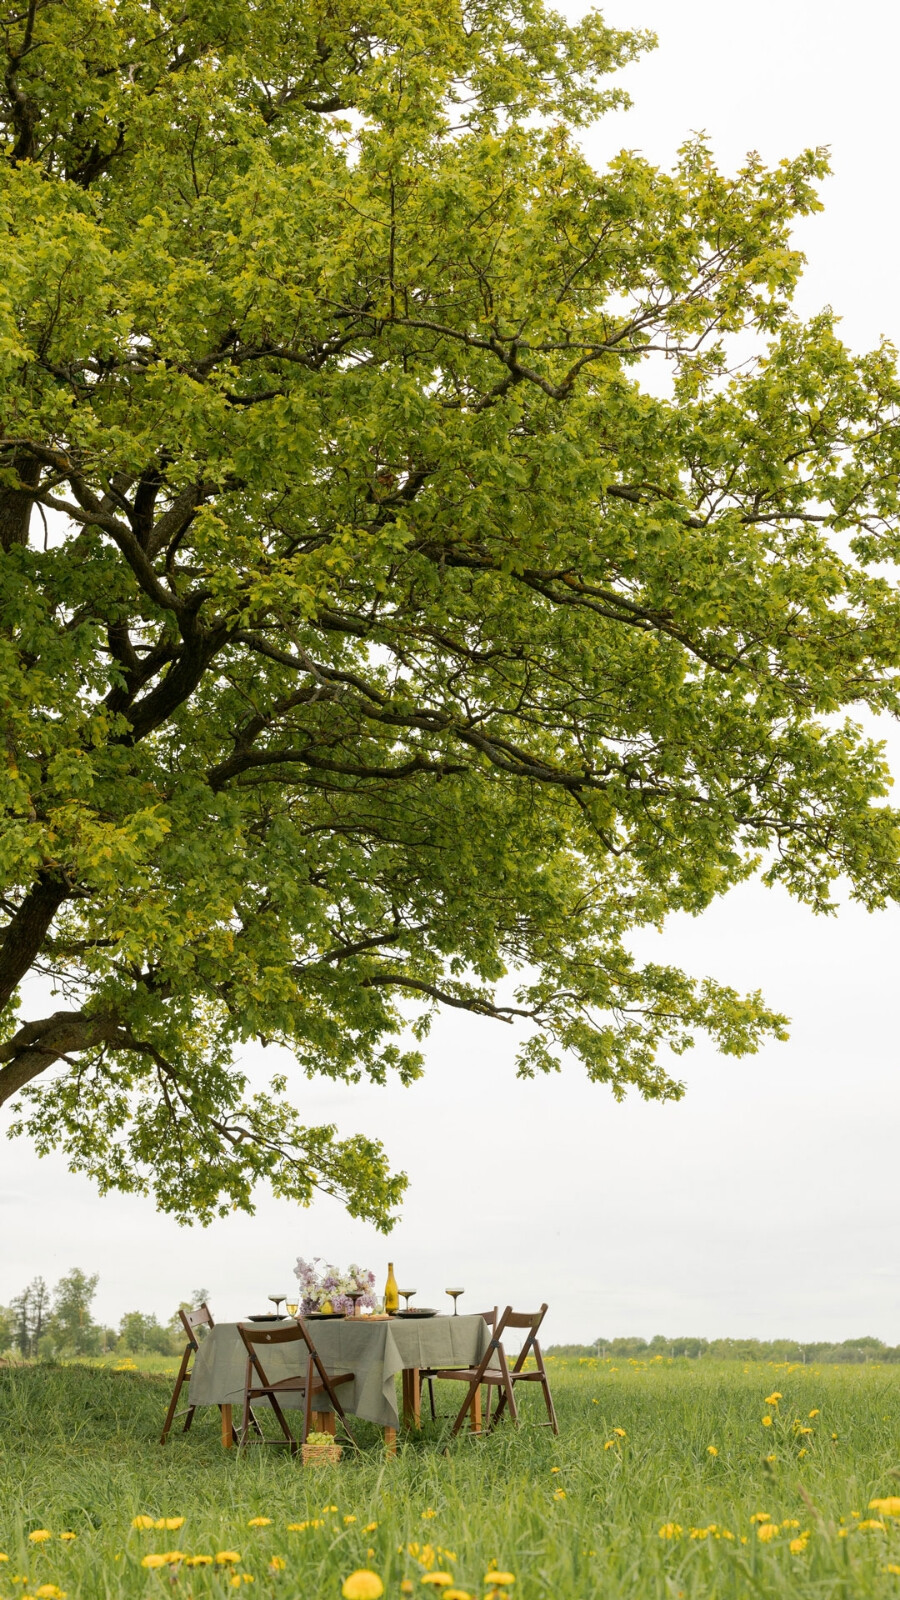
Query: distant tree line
x=850 y=1350
x=40 y=1324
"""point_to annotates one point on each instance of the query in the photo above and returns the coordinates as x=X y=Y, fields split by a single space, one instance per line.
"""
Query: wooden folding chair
x=502 y=1376
x=428 y=1374
x=312 y=1384
x=200 y=1317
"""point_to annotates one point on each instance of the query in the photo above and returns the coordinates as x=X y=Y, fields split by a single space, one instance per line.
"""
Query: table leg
x=323 y=1422
x=412 y=1398
x=390 y=1441
x=475 y=1411
x=227 y=1428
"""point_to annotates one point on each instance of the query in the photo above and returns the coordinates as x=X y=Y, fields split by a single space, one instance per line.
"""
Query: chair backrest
x=490 y=1317
x=199 y=1317
x=255 y=1333
x=531 y=1320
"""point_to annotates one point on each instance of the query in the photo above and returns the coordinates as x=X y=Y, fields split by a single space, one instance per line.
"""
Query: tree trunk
x=26 y=931
x=16 y=504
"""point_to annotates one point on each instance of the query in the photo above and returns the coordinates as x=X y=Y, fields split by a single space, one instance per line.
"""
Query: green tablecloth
x=374 y=1351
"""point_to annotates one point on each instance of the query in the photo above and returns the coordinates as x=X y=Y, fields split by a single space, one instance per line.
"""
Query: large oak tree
x=401 y=601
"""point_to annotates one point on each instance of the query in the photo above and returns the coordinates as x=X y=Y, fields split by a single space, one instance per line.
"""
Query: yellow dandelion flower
x=227 y=1558
x=620 y=1433
x=3 y=1556
x=556 y=1469
x=773 y=1398
x=49 y=1591
x=198 y=1561
x=329 y=1508
x=39 y=1535
x=789 y=1522
x=439 y=1579
x=362 y=1585
x=595 y=1402
x=500 y=1579
x=559 y=1494
x=767 y=1531
x=169 y=1524
x=609 y=1444
x=142 y=1522
x=235 y=1582
x=814 y=1412
x=798 y=1545
x=370 y=1553
x=893 y=1567
x=834 y=1436
x=370 y=1527
x=246 y=1577
x=277 y=1564
x=348 y=1520
x=771 y=1458
x=711 y=1450
x=259 y=1522
x=872 y=1525
x=767 y=1422
x=670 y=1530
x=407 y=1586
x=804 y=1432
x=156 y=1560
x=887 y=1508
x=428 y=1514
x=802 y=1453
x=67 y=1536
x=760 y=1516
x=457 y=1594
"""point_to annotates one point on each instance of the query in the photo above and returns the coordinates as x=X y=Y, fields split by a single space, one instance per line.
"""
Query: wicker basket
x=321 y=1455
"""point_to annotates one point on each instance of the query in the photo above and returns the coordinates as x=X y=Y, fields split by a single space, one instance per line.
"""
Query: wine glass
x=355 y=1295
x=277 y=1300
x=456 y=1294
x=407 y=1295
x=292 y=1307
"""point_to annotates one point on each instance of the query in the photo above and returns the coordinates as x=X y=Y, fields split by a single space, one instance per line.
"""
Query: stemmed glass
x=355 y=1295
x=407 y=1295
x=277 y=1300
x=292 y=1307
x=456 y=1294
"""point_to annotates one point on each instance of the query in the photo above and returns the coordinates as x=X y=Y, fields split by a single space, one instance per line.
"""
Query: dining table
x=375 y=1350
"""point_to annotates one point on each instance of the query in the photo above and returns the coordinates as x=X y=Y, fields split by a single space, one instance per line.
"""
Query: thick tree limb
x=26 y=931
x=37 y=1045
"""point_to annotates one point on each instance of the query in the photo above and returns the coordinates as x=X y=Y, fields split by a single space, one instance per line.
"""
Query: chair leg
x=464 y=1410
x=507 y=1396
x=173 y=1403
x=245 y=1416
x=548 y=1399
x=431 y=1398
x=189 y=1418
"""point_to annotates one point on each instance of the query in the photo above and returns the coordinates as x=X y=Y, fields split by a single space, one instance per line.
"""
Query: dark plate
x=323 y=1316
x=269 y=1317
x=417 y=1311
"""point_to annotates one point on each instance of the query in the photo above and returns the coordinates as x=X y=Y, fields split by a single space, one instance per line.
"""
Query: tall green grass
x=575 y=1516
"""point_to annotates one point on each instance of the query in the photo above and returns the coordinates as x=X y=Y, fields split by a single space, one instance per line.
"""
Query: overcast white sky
x=765 y=1202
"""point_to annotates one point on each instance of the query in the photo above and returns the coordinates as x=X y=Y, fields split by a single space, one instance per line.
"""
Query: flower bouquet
x=324 y=1287
x=320 y=1450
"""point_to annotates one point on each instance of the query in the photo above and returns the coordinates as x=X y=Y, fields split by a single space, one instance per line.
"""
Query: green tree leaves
x=383 y=639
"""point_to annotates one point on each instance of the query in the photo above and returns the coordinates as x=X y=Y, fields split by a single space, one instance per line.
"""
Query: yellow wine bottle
x=391 y=1292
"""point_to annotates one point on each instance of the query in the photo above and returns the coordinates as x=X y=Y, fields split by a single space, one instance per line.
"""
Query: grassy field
x=680 y=1447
